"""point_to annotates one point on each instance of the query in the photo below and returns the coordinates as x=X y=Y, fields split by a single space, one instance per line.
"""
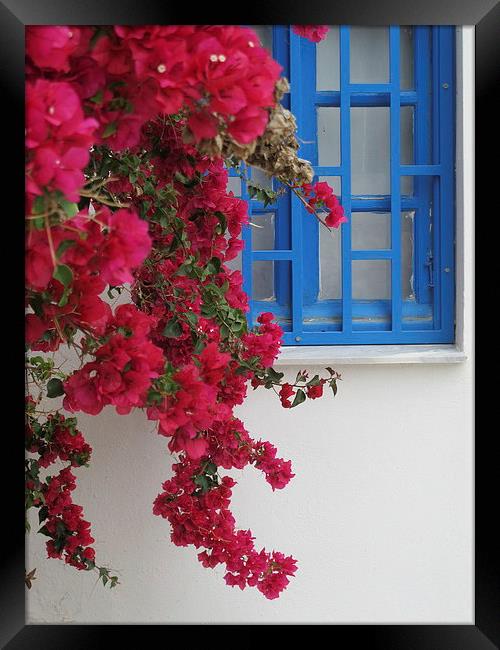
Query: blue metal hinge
x=429 y=263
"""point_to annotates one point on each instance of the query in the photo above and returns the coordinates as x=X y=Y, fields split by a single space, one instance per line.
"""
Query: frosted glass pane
x=265 y=34
x=406 y=134
x=262 y=231
x=370 y=150
x=371 y=279
x=234 y=185
x=261 y=178
x=236 y=263
x=328 y=61
x=263 y=280
x=371 y=230
x=406 y=57
x=369 y=55
x=330 y=264
x=407 y=253
x=406 y=185
x=328 y=136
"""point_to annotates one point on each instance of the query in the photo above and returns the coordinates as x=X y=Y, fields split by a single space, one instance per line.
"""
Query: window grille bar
x=345 y=159
x=283 y=237
x=297 y=216
x=308 y=137
x=274 y=255
x=246 y=256
x=423 y=119
x=395 y=142
x=446 y=271
x=421 y=170
x=363 y=98
x=436 y=158
x=372 y=254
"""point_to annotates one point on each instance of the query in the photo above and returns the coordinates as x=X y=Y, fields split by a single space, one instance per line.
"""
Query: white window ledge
x=295 y=355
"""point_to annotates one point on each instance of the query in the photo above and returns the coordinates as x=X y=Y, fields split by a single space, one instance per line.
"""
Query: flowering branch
x=127 y=130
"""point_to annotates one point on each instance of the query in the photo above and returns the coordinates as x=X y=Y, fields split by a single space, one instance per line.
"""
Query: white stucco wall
x=379 y=514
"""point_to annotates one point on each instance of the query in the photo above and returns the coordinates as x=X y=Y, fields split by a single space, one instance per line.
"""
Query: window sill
x=295 y=355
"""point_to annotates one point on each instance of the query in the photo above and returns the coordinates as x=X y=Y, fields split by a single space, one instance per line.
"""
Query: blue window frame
x=416 y=302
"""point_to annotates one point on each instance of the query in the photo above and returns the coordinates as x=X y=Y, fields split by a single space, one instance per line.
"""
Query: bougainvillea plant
x=129 y=134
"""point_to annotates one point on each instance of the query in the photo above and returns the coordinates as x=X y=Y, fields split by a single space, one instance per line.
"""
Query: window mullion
x=395 y=139
x=345 y=159
x=296 y=106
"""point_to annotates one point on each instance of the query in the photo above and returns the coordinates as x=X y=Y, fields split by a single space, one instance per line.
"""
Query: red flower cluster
x=58 y=138
x=204 y=520
x=99 y=249
x=127 y=75
x=69 y=532
x=265 y=342
x=314 y=33
x=322 y=197
x=136 y=101
x=59 y=439
x=123 y=368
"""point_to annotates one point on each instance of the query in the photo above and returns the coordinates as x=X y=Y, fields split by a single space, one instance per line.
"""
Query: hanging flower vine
x=129 y=132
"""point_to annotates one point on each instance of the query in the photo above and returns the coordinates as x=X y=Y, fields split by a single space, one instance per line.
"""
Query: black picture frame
x=484 y=633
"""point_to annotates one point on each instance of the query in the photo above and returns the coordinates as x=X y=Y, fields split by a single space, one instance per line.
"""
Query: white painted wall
x=379 y=515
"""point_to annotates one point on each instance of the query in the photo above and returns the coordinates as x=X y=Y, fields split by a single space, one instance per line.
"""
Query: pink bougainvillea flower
x=314 y=33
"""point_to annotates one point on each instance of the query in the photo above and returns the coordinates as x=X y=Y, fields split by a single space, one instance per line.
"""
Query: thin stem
x=297 y=193
x=101 y=199
x=51 y=243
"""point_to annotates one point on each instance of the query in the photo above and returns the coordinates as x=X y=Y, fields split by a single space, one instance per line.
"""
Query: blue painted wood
x=296 y=106
x=283 y=234
x=395 y=148
x=372 y=254
x=246 y=256
x=345 y=159
x=422 y=159
x=429 y=317
x=445 y=264
x=332 y=98
x=308 y=138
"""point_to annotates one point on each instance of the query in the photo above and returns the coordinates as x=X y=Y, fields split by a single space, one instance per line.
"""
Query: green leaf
x=38 y=205
x=202 y=481
x=43 y=513
x=199 y=346
x=211 y=468
x=299 y=398
x=214 y=265
x=109 y=130
x=64 y=298
x=64 y=274
x=173 y=329
x=98 y=97
x=63 y=247
x=70 y=209
x=55 y=388
x=333 y=386
x=96 y=36
x=208 y=310
x=224 y=331
x=275 y=376
x=191 y=317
